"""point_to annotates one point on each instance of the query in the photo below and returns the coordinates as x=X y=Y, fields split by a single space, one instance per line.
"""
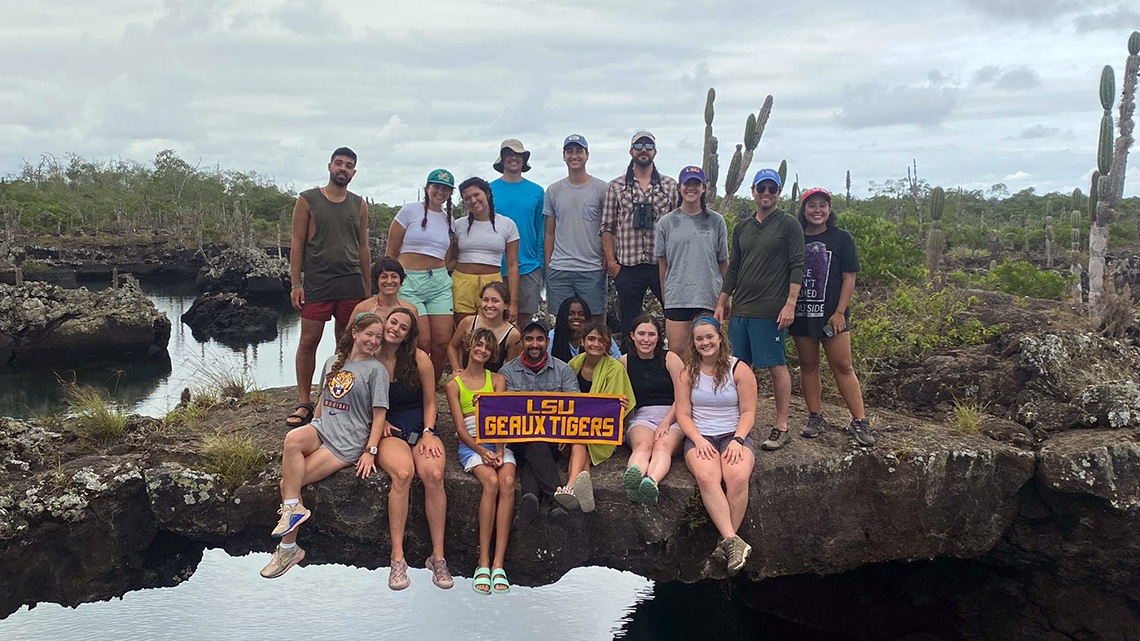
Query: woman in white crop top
x=487 y=246
x=715 y=400
x=420 y=238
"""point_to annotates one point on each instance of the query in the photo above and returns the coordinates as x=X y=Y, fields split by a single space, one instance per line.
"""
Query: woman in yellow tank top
x=495 y=468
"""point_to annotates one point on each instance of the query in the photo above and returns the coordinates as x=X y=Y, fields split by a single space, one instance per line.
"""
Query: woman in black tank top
x=495 y=300
x=652 y=435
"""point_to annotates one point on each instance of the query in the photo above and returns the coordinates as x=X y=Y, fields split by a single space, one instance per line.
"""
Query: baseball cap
x=643 y=134
x=768 y=174
x=536 y=322
x=442 y=177
x=576 y=139
x=690 y=172
x=815 y=191
x=515 y=145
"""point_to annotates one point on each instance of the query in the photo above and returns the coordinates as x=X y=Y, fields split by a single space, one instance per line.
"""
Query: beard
x=340 y=179
x=647 y=162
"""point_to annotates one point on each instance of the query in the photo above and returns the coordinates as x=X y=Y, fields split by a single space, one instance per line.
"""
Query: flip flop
x=631 y=480
x=499 y=582
x=302 y=419
x=584 y=488
x=482 y=580
x=566 y=498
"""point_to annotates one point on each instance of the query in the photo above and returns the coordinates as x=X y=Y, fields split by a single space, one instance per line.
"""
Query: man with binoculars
x=634 y=203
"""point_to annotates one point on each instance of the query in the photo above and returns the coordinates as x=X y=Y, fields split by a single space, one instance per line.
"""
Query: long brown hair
x=344 y=344
x=723 y=356
x=504 y=293
x=407 y=372
x=659 y=348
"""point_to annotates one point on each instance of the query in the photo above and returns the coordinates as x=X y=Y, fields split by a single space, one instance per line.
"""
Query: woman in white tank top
x=716 y=407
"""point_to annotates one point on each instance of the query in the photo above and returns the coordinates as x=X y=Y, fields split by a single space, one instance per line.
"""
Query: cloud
x=872 y=104
x=1038 y=131
x=1110 y=20
x=1012 y=79
x=1016 y=177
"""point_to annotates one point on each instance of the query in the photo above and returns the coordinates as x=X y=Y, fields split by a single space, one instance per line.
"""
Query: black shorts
x=685 y=314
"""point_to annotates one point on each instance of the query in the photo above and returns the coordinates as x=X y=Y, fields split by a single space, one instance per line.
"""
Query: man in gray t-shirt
x=573 y=210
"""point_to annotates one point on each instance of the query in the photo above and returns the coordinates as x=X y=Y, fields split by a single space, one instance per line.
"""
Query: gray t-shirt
x=693 y=246
x=577 y=212
x=346 y=405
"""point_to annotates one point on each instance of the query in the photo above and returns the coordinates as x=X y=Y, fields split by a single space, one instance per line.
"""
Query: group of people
x=462 y=296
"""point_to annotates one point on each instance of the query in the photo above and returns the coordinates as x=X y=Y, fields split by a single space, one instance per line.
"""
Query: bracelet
x=298 y=286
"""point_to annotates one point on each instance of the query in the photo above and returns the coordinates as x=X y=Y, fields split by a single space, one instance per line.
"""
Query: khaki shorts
x=466 y=290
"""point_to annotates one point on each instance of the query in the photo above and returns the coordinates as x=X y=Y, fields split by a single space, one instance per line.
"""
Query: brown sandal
x=297 y=419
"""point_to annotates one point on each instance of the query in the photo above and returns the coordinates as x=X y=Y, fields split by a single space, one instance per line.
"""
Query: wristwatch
x=373 y=450
x=430 y=430
x=739 y=439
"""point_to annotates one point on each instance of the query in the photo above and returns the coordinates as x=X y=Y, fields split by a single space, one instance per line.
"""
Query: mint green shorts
x=429 y=290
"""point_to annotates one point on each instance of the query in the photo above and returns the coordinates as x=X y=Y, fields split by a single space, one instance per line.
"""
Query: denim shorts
x=589 y=286
x=429 y=290
x=757 y=341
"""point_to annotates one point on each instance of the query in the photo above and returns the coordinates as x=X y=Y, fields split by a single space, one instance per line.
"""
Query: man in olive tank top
x=329 y=265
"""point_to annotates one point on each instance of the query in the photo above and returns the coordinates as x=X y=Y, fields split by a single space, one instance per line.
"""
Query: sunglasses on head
x=647 y=146
x=767 y=188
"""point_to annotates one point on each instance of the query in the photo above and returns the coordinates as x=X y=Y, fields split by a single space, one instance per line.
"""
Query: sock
x=287 y=546
x=292 y=502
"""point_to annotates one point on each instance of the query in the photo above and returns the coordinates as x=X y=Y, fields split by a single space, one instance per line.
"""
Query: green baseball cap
x=442 y=177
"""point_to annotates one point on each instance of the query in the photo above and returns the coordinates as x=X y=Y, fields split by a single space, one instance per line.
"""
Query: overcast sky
x=977 y=91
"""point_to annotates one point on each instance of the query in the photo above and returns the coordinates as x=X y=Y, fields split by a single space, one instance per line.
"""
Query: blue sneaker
x=292 y=516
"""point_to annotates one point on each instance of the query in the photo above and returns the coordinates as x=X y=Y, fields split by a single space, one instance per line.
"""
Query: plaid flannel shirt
x=635 y=246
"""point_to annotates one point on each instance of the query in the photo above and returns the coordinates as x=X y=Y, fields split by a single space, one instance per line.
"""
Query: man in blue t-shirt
x=521 y=200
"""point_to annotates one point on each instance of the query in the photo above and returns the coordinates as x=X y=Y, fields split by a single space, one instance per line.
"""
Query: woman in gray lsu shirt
x=349 y=421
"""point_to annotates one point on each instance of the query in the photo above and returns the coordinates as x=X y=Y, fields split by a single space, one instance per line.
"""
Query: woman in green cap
x=420 y=239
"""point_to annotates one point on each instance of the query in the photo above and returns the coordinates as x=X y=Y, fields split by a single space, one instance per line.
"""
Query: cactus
x=1075 y=252
x=1049 y=234
x=1076 y=202
x=783 y=171
x=1094 y=195
x=710 y=162
x=935 y=238
x=795 y=194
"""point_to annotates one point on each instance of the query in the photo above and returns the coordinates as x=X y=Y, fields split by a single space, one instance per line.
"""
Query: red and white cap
x=814 y=191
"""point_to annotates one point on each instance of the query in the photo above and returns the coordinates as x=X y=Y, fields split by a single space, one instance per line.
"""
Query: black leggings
x=631 y=283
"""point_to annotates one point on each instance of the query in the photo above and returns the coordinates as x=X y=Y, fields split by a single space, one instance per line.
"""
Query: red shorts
x=340 y=309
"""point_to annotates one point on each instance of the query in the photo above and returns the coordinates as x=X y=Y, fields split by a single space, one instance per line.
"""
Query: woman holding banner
x=652 y=432
x=495 y=468
x=716 y=407
x=412 y=447
x=598 y=373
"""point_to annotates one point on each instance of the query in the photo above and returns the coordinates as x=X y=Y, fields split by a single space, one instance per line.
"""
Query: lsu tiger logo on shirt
x=340 y=384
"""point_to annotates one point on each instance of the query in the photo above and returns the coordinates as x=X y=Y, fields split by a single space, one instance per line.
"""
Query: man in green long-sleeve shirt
x=765 y=270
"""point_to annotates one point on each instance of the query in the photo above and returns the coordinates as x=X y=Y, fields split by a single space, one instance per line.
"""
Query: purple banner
x=513 y=417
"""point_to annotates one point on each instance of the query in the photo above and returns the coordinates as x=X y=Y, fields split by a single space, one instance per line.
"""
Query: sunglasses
x=647 y=146
x=767 y=188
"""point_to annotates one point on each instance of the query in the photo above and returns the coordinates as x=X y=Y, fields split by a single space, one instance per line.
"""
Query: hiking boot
x=720 y=553
x=584 y=490
x=777 y=438
x=291 y=517
x=860 y=428
x=528 y=511
x=398 y=575
x=738 y=552
x=440 y=575
x=814 y=427
x=282 y=560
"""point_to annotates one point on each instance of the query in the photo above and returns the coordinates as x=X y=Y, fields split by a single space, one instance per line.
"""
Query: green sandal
x=482 y=580
x=499 y=582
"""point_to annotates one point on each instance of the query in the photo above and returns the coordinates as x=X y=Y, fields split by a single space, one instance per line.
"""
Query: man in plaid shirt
x=634 y=203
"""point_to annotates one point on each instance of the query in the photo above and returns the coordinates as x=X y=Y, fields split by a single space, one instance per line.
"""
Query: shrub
x=33 y=266
x=966 y=416
x=235 y=459
x=1022 y=278
x=884 y=256
x=97 y=420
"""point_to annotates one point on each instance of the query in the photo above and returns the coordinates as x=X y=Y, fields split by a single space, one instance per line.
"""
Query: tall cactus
x=1049 y=234
x=742 y=156
x=783 y=171
x=848 y=201
x=935 y=239
x=711 y=162
x=1076 y=200
x=1075 y=253
x=795 y=194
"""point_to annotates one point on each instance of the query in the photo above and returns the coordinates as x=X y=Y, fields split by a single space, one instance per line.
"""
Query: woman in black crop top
x=495 y=300
x=651 y=433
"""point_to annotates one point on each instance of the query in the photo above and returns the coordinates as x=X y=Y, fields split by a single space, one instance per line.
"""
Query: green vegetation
x=189 y=412
x=1019 y=278
x=97 y=420
x=234 y=458
x=33 y=266
x=884 y=256
x=966 y=416
x=911 y=324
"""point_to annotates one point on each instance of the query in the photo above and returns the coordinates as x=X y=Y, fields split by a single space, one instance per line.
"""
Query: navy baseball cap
x=576 y=139
x=768 y=174
x=691 y=172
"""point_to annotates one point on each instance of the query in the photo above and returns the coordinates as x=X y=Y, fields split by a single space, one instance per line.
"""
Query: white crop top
x=432 y=241
x=716 y=412
x=482 y=244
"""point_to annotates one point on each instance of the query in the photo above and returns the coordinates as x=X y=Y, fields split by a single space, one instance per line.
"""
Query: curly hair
x=344 y=343
x=723 y=356
x=485 y=336
x=407 y=372
x=560 y=347
x=659 y=348
x=484 y=187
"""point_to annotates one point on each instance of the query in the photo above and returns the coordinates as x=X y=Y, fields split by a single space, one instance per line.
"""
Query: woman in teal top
x=495 y=468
